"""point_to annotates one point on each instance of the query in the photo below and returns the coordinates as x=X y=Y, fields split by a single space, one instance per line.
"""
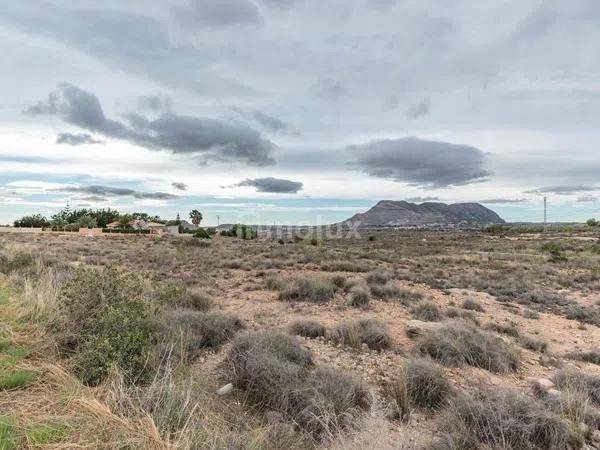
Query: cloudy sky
x=299 y=111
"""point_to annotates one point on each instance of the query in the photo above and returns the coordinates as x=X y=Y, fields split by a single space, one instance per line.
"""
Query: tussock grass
x=420 y=383
x=472 y=305
x=371 y=332
x=533 y=344
x=276 y=373
x=503 y=419
x=315 y=290
x=427 y=311
x=459 y=343
x=307 y=328
x=590 y=356
x=359 y=297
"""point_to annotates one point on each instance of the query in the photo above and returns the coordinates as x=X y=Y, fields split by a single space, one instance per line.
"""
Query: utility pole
x=218 y=220
x=545 y=213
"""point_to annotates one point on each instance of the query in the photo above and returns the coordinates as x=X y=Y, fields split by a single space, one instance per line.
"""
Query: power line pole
x=218 y=220
x=545 y=213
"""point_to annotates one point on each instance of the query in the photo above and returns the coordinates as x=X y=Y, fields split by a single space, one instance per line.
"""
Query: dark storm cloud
x=500 y=201
x=217 y=13
x=420 y=162
x=76 y=139
x=137 y=44
x=271 y=123
x=106 y=191
x=179 y=186
x=273 y=185
x=212 y=139
x=563 y=190
x=418 y=110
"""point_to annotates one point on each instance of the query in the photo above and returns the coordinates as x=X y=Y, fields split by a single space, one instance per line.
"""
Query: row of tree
x=89 y=218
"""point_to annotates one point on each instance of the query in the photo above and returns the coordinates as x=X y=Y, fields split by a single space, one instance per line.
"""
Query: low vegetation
x=460 y=343
x=315 y=290
x=307 y=328
x=370 y=332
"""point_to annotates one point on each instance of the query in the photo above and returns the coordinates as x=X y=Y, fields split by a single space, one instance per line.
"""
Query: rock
x=596 y=436
x=224 y=390
x=544 y=383
x=418 y=327
x=365 y=347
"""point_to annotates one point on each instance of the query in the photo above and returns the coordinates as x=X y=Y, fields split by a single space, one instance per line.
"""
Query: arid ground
x=396 y=339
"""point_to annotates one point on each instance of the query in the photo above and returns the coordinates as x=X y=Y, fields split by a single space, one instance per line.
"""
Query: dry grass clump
x=427 y=311
x=590 y=356
x=533 y=344
x=421 y=383
x=459 y=343
x=584 y=314
x=581 y=381
x=454 y=313
x=472 y=305
x=504 y=419
x=307 y=328
x=371 y=332
x=197 y=330
x=508 y=329
x=408 y=296
x=346 y=266
x=177 y=295
x=384 y=291
x=359 y=297
x=379 y=276
x=304 y=289
x=276 y=373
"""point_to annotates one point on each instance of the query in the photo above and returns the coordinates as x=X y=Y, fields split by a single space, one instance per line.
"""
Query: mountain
x=389 y=213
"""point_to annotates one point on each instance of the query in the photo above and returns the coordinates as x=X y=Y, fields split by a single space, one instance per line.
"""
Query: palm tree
x=196 y=217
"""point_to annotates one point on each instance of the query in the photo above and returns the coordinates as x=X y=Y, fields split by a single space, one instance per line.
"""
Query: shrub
x=316 y=290
x=531 y=314
x=371 y=332
x=177 y=295
x=339 y=281
x=472 y=305
x=276 y=374
x=504 y=419
x=453 y=313
x=200 y=330
x=345 y=266
x=508 y=329
x=427 y=311
x=422 y=384
x=359 y=297
x=105 y=320
x=533 y=344
x=20 y=261
x=459 y=343
x=581 y=381
x=379 y=276
x=555 y=250
x=407 y=296
x=584 y=314
x=201 y=233
x=590 y=356
x=307 y=328
x=384 y=291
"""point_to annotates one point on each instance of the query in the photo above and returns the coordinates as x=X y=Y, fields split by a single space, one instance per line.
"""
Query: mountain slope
x=389 y=213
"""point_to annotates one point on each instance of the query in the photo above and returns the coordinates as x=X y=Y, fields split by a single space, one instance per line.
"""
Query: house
x=156 y=228
x=135 y=224
x=113 y=225
x=186 y=226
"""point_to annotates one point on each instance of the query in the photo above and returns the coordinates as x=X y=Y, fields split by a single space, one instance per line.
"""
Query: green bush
x=105 y=321
x=201 y=233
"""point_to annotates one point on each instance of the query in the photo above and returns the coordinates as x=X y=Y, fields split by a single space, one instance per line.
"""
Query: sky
x=299 y=111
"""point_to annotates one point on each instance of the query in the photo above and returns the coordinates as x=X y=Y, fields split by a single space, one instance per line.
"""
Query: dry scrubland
x=397 y=340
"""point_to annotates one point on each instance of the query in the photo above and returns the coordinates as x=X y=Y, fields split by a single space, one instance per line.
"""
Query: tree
x=196 y=216
x=124 y=220
x=33 y=221
x=593 y=223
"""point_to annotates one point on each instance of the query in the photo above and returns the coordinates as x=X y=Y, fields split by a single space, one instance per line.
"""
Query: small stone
x=224 y=390
x=364 y=347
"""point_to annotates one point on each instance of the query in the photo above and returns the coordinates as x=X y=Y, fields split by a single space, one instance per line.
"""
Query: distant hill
x=389 y=213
